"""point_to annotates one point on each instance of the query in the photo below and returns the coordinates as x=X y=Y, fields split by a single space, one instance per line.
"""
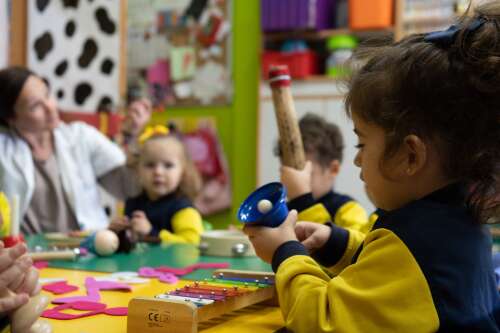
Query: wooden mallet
x=290 y=140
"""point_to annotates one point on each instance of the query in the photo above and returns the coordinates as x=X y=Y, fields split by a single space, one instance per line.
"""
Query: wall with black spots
x=75 y=45
x=4 y=34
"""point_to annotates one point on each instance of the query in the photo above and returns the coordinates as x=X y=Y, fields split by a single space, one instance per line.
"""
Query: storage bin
x=300 y=64
x=370 y=14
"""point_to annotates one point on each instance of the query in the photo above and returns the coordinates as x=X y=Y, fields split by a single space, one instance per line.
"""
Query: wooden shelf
x=317 y=78
x=323 y=34
x=431 y=20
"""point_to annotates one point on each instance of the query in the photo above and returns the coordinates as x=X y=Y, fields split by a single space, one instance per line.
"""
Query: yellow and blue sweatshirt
x=425 y=267
x=173 y=217
x=339 y=209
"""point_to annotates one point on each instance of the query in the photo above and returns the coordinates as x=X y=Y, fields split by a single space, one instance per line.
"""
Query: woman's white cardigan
x=83 y=155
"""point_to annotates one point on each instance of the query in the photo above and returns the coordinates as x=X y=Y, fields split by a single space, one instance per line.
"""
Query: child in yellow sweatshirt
x=426 y=112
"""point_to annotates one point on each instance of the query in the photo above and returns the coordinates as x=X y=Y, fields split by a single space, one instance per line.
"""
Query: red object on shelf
x=301 y=64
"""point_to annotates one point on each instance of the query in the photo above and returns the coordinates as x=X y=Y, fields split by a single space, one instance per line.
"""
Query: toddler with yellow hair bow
x=170 y=182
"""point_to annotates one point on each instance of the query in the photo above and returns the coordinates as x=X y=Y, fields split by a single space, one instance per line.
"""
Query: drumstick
x=290 y=140
x=55 y=255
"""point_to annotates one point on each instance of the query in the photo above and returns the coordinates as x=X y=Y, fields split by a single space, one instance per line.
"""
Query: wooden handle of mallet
x=54 y=255
x=290 y=140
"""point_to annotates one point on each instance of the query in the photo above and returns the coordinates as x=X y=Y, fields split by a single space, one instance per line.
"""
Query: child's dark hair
x=446 y=93
x=321 y=139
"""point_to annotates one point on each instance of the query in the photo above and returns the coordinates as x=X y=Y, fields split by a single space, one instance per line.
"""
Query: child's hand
x=266 y=240
x=297 y=182
x=119 y=223
x=138 y=115
x=140 y=223
x=312 y=235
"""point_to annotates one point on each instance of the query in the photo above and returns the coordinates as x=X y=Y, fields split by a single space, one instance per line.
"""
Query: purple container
x=297 y=14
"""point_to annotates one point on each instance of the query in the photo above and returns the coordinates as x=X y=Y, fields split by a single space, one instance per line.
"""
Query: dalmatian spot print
x=42 y=4
x=106 y=24
x=105 y=103
x=43 y=45
x=82 y=92
x=76 y=45
x=61 y=68
x=70 y=28
x=107 y=66
x=70 y=3
x=88 y=54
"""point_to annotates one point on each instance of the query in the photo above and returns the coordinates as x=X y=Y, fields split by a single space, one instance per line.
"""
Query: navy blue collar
x=454 y=194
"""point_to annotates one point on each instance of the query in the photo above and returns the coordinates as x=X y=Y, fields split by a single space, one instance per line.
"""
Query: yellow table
x=253 y=319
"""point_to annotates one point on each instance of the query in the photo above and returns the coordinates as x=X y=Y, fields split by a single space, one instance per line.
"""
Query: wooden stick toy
x=290 y=140
x=183 y=309
x=55 y=255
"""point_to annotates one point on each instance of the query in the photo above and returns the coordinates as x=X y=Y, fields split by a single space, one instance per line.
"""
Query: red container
x=300 y=64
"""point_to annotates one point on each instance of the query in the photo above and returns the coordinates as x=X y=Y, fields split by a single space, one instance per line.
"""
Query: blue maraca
x=266 y=206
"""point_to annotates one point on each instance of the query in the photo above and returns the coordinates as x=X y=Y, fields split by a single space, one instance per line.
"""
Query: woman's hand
x=30 y=284
x=140 y=223
x=312 y=235
x=15 y=269
x=297 y=182
x=138 y=115
x=266 y=240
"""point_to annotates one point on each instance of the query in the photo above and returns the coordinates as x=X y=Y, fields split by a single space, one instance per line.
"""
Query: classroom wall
x=236 y=123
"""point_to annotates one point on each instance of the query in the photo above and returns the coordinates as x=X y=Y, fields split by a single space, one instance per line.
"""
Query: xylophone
x=181 y=310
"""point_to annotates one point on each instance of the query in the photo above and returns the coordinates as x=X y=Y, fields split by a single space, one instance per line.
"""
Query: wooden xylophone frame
x=155 y=315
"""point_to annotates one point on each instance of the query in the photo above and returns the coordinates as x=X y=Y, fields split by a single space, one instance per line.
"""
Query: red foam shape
x=59 y=287
x=41 y=264
x=118 y=311
x=91 y=308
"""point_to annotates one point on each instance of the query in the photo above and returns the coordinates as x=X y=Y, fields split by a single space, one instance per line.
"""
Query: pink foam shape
x=41 y=264
x=148 y=272
x=118 y=311
x=59 y=288
x=53 y=314
x=92 y=308
x=168 y=278
x=93 y=284
x=87 y=306
x=87 y=298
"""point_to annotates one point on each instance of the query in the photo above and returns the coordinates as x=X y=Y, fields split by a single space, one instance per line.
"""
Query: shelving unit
x=324 y=34
x=316 y=40
x=421 y=16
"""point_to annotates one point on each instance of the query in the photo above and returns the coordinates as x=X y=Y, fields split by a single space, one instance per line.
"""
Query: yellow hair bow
x=152 y=131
